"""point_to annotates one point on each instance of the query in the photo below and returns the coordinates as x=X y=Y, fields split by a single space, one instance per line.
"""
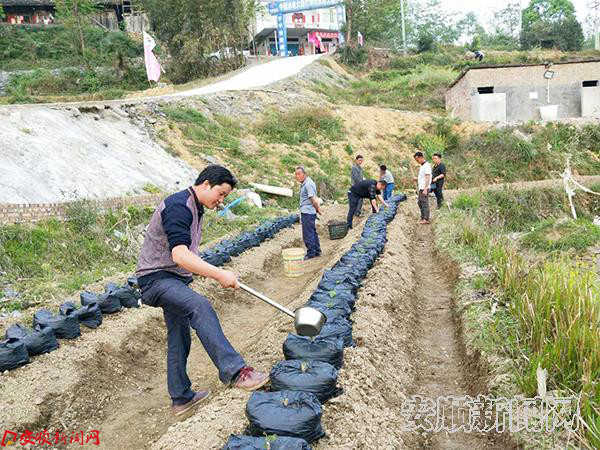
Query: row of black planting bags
x=290 y=415
x=21 y=343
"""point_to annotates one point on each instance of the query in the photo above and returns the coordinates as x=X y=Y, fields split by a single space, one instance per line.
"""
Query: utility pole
x=595 y=5
x=404 y=26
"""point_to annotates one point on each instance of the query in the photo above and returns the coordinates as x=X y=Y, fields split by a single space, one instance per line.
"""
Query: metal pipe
x=267 y=300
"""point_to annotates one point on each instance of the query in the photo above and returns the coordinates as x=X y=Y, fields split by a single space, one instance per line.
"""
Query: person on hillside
x=387 y=176
x=370 y=189
x=423 y=183
x=356 y=176
x=309 y=208
x=167 y=261
x=439 y=176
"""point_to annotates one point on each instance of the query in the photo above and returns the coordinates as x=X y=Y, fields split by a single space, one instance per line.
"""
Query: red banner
x=327 y=34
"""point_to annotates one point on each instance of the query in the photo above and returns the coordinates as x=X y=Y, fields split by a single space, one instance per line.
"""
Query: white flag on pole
x=361 y=40
x=153 y=68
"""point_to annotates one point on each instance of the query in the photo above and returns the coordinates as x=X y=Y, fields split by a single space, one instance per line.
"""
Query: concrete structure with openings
x=518 y=93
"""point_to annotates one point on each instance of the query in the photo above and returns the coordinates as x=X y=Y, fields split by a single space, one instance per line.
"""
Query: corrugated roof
x=501 y=66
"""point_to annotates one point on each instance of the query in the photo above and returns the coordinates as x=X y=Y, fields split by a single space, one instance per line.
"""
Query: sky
x=485 y=8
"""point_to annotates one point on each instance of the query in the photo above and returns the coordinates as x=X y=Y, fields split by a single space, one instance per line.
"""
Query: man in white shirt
x=385 y=174
x=423 y=183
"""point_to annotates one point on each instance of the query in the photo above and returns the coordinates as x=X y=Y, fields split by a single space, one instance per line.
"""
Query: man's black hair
x=383 y=182
x=438 y=155
x=419 y=154
x=383 y=167
x=216 y=175
x=359 y=157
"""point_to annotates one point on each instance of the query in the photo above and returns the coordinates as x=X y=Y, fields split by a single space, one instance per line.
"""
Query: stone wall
x=34 y=212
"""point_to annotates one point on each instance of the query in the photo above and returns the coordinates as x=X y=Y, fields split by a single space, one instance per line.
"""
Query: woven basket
x=337 y=230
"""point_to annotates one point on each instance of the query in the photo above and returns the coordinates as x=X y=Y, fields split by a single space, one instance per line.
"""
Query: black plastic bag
x=342 y=275
x=65 y=327
x=326 y=349
x=337 y=286
x=332 y=309
x=127 y=297
x=285 y=413
x=216 y=259
x=338 y=327
x=359 y=267
x=337 y=295
x=316 y=377
x=133 y=282
x=108 y=303
x=89 y=315
x=38 y=341
x=241 y=442
x=13 y=354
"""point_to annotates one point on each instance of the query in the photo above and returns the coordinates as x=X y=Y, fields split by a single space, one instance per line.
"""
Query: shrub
x=305 y=125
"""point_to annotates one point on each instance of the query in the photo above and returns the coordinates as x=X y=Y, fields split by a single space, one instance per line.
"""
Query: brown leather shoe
x=250 y=379
x=178 y=410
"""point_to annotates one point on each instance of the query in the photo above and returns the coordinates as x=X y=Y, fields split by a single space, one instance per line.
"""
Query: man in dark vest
x=167 y=261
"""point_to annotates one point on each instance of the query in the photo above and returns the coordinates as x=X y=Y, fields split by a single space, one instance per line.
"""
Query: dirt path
x=442 y=368
x=552 y=183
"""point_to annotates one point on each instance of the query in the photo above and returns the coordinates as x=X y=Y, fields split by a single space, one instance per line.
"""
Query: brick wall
x=33 y=212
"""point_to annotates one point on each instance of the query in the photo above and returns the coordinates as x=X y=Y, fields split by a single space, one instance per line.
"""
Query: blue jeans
x=182 y=308
x=389 y=191
x=309 y=234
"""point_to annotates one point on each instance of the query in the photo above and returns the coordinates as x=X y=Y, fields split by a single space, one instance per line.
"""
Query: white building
x=324 y=22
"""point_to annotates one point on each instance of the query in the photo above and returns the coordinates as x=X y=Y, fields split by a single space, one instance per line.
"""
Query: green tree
x=507 y=20
x=74 y=15
x=192 y=29
x=551 y=24
x=1 y=12
x=373 y=18
x=430 y=18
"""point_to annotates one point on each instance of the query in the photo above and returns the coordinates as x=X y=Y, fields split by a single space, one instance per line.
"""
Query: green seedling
x=332 y=294
x=270 y=439
x=304 y=366
x=330 y=305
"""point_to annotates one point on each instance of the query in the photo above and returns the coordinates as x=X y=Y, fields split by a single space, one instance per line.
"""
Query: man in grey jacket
x=356 y=177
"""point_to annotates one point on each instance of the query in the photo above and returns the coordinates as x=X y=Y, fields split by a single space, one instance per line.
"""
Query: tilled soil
x=408 y=342
x=382 y=355
x=114 y=378
x=443 y=368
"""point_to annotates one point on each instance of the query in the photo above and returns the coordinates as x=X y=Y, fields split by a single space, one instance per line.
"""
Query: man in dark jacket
x=370 y=189
x=356 y=176
x=167 y=261
x=439 y=176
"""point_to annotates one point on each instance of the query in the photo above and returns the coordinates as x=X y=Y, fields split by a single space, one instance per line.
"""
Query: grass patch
x=528 y=152
x=417 y=90
x=52 y=259
x=221 y=134
x=466 y=202
x=551 y=236
x=521 y=210
x=53 y=256
x=305 y=125
x=549 y=315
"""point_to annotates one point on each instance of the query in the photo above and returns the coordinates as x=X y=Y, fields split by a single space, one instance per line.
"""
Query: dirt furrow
x=114 y=379
x=443 y=368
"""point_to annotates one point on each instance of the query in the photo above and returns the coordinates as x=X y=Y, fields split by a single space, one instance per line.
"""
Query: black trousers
x=439 y=194
x=353 y=202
